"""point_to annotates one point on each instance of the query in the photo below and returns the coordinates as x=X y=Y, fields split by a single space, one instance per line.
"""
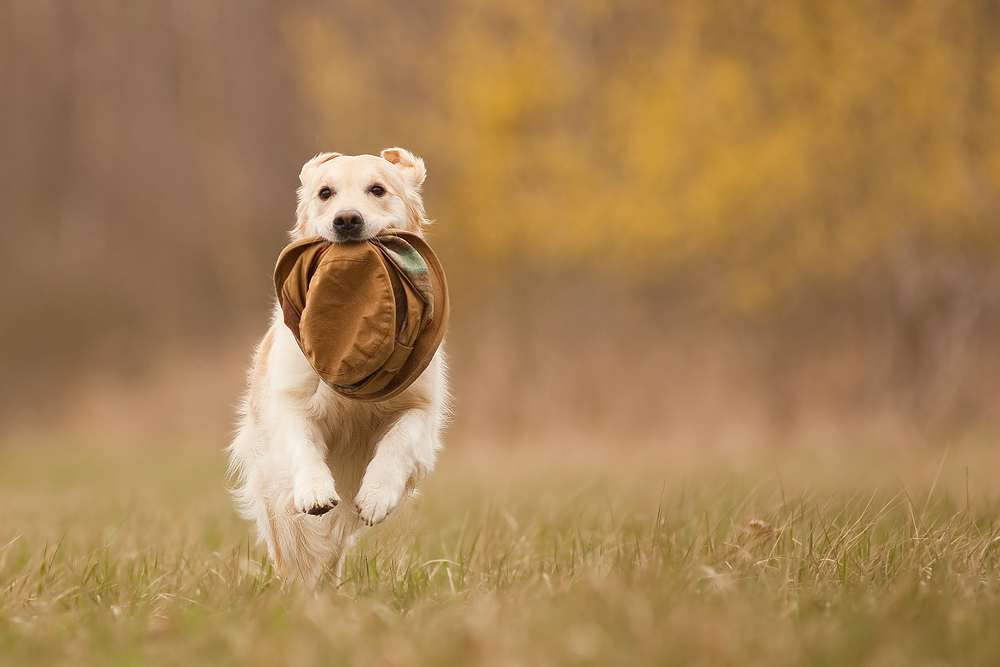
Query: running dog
x=311 y=466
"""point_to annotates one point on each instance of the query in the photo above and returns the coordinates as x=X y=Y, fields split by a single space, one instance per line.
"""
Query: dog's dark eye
x=325 y=194
x=378 y=190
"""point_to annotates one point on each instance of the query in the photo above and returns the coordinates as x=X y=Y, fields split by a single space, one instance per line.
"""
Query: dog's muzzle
x=349 y=225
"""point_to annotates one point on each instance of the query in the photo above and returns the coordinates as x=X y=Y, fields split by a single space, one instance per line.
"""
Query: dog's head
x=353 y=198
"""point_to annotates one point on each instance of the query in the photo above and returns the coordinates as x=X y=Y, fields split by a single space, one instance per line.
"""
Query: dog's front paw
x=315 y=494
x=375 y=502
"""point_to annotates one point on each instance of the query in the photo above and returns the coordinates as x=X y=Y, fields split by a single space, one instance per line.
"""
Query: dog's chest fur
x=351 y=429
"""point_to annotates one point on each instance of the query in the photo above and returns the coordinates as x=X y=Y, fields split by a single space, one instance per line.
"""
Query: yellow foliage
x=772 y=143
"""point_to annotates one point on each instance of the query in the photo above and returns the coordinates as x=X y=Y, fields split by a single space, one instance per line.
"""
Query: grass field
x=791 y=557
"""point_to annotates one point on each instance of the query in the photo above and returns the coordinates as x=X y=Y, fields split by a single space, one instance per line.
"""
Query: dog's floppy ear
x=309 y=167
x=412 y=167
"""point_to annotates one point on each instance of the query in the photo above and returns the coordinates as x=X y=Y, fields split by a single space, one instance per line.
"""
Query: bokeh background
x=686 y=224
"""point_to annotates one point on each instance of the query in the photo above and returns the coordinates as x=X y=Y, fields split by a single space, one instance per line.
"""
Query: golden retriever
x=310 y=466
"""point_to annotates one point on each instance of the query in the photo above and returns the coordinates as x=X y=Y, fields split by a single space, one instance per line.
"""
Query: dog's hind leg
x=306 y=547
x=344 y=526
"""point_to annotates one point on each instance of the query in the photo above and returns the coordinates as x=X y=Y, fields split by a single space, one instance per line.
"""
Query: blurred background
x=687 y=224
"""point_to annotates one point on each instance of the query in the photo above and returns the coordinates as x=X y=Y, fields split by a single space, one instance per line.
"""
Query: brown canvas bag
x=368 y=315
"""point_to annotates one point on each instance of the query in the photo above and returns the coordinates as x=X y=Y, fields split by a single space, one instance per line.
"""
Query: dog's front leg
x=313 y=490
x=299 y=436
x=404 y=454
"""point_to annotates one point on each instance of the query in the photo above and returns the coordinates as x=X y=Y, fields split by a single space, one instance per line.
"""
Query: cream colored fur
x=300 y=446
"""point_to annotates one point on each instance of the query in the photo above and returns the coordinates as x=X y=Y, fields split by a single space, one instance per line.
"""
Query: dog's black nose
x=348 y=223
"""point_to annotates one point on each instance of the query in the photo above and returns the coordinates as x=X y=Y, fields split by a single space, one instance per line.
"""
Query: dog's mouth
x=343 y=237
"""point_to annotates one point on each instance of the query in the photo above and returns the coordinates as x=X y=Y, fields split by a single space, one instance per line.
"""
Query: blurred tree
x=830 y=171
x=781 y=144
x=830 y=162
x=134 y=139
